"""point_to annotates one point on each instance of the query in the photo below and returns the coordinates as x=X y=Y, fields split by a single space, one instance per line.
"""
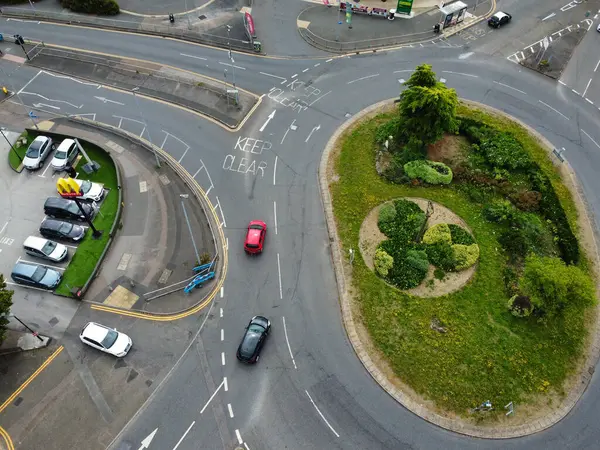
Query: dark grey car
x=254 y=338
x=57 y=229
x=35 y=275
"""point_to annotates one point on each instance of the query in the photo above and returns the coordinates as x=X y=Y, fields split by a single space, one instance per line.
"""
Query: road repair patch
x=121 y=298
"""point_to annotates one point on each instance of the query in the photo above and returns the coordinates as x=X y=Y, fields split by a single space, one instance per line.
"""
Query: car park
x=35 y=275
x=63 y=208
x=58 y=229
x=498 y=19
x=45 y=249
x=37 y=152
x=105 y=339
x=254 y=339
x=90 y=191
x=255 y=237
x=65 y=154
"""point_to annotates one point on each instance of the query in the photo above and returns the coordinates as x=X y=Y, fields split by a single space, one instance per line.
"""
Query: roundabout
x=309 y=390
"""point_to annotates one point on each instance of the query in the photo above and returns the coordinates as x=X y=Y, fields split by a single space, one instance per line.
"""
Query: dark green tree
x=5 y=304
x=427 y=109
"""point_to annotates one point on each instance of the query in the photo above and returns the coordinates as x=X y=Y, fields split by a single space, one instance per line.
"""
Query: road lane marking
x=305 y=70
x=30 y=81
x=510 y=87
x=460 y=73
x=548 y=16
x=225 y=384
x=587 y=87
x=26 y=287
x=231 y=65
x=239 y=437
x=315 y=101
x=275 y=214
x=33 y=376
x=589 y=101
x=317 y=65
x=214 y=393
x=39 y=264
x=591 y=138
x=222 y=334
x=294 y=76
x=404 y=70
x=246 y=445
x=184 y=435
x=230 y=410
x=222 y=358
x=555 y=110
x=321 y=414
x=221 y=291
x=329 y=60
x=273 y=76
x=597 y=64
x=576 y=92
x=220 y=312
x=43 y=175
x=288 y=343
x=3 y=227
x=192 y=56
x=279 y=272
x=363 y=78
x=274 y=169
x=7 y=439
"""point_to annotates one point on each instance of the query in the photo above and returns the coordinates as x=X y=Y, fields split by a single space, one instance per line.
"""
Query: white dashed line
x=230 y=410
x=279 y=272
x=239 y=437
x=288 y=343
x=192 y=56
x=555 y=110
x=231 y=65
x=222 y=358
x=590 y=138
x=317 y=65
x=460 y=73
x=184 y=435
x=275 y=214
x=329 y=60
x=363 y=78
x=321 y=414
x=576 y=92
x=305 y=70
x=225 y=386
x=597 y=64
x=220 y=312
x=221 y=291
x=273 y=76
x=586 y=88
x=589 y=101
x=222 y=334
x=294 y=76
x=510 y=87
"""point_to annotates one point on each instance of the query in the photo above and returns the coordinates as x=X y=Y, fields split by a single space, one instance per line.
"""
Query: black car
x=254 y=338
x=35 y=275
x=57 y=229
x=63 y=208
x=499 y=19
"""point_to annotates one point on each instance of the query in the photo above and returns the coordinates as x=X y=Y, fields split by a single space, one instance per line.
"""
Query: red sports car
x=255 y=237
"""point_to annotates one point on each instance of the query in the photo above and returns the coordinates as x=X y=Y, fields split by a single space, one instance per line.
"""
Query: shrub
x=205 y=258
x=552 y=285
x=387 y=129
x=439 y=274
x=417 y=259
x=520 y=306
x=460 y=235
x=404 y=274
x=526 y=234
x=441 y=255
x=527 y=200
x=499 y=211
x=465 y=255
x=387 y=214
x=428 y=171
x=437 y=234
x=407 y=222
x=102 y=7
x=383 y=262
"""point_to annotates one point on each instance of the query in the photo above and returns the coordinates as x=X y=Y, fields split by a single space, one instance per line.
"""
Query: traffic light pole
x=95 y=233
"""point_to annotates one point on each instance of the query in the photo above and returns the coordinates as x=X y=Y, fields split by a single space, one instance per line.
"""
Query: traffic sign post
x=68 y=188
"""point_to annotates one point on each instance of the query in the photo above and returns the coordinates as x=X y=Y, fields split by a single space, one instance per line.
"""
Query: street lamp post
x=2 y=129
x=25 y=325
x=232 y=62
x=19 y=97
x=133 y=91
x=184 y=196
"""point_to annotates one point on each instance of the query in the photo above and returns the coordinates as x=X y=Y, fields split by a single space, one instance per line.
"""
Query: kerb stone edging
x=497 y=432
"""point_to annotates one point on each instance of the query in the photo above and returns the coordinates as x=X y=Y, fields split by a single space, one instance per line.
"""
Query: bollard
x=171 y=18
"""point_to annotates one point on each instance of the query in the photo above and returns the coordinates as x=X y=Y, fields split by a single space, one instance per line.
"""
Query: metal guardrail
x=370 y=44
x=132 y=27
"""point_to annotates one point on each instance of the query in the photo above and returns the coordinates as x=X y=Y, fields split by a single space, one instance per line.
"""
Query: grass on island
x=486 y=354
x=13 y=159
x=89 y=250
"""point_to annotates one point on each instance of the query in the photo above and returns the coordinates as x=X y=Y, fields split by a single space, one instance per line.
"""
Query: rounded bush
x=406 y=223
x=418 y=260
x=428 y=171
x=441 y=255
x=520 y=306
x=460 y=235
x=387 y=214
x=439 y=233
x=383 y=262
x=465 y=255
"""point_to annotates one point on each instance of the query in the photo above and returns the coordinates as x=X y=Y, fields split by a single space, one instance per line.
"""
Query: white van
x=45 y=249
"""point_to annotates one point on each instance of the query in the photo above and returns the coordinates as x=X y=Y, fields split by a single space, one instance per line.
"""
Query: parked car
x=90 y=191
x=254 y=338
x=105 y=339
x=255 y=236
x=65 y=153
x=45 y=249
x=35 y=275
x=63 y=208
x=498 y=19
x=57 y=229
x=37 y=152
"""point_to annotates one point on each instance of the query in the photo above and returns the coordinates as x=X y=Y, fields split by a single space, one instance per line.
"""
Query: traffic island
x=443 y=358
x=219 y=100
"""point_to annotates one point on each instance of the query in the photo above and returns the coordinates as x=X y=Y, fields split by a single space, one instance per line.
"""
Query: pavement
x=326 y=27
x=310 y=390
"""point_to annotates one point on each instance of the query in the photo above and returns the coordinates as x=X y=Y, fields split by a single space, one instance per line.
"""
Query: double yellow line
x=7 y=439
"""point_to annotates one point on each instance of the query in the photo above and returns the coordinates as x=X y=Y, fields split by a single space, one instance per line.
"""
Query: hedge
x=101 y=7
x=465 y=255
x=431 y=172
x=437 y=234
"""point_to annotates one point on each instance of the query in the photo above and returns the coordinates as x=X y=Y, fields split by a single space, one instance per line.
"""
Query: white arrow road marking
x=267 y=121
x=53 y=100
x=103 y=99
x=317 y=128
x=148 y=440
x=39 y=105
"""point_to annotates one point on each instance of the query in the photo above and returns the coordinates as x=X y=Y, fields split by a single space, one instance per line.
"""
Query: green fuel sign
x=404 y=6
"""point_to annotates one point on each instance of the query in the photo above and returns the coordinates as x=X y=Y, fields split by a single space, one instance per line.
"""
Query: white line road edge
x=192 y=56
x=275 y=214
x=460 y=73
x=363 y=78
x=590 y=138
x=184 y=435
x=288 y=343
x=30 y=81
x=279 y=273
x=273 y=76
x=321 y=414
x=239 y=437
x=555 y=110
x=214 y=393
x=510 y=87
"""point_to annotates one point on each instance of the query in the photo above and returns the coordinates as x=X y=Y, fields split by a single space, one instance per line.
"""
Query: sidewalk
x=319 y=26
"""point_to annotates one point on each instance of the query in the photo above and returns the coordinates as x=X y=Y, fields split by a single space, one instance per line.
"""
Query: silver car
x=37 y=152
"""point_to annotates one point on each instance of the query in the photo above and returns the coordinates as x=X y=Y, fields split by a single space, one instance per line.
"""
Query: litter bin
x=257 y=46
x=391 y=14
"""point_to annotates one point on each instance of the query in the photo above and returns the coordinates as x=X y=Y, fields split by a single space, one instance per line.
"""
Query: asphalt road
x=309 y=390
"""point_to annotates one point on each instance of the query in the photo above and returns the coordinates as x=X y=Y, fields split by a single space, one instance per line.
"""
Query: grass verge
x=486 y=354
x=88 y=252
x=13 y=159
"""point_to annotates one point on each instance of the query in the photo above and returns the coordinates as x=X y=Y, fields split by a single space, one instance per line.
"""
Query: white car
x=105 y=339
x=89 y=190
x=37 y=152
x=65 y=153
